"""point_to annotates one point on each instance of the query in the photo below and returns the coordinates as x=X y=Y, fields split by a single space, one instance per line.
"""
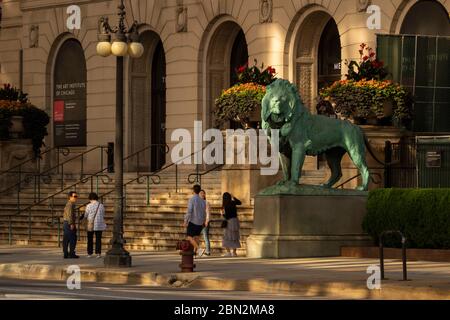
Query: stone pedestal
x=295 y=226
x=245 y=181
x=12 y=153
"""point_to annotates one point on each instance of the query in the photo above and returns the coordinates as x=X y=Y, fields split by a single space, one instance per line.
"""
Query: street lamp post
x=126 y=42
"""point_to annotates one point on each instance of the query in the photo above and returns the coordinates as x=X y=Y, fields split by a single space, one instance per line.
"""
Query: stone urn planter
x=255 y=117
x=16 y=130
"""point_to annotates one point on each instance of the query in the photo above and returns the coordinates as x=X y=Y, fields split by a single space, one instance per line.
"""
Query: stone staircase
x=155 y=226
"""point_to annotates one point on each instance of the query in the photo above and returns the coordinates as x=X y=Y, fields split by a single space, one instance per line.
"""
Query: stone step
x=154 y=235
x=129 y=210
x=81 y=247
x=164 y=240
x=129 y=223
x=155 y=226
x=154 y=199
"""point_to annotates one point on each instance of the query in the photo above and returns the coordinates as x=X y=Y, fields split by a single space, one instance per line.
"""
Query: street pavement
x=11 y=289
x=331 y=277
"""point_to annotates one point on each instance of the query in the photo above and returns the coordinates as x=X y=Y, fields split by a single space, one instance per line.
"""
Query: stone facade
x=197 y=37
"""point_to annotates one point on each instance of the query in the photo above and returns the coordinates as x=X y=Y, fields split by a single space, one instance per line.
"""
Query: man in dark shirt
x=69 y=227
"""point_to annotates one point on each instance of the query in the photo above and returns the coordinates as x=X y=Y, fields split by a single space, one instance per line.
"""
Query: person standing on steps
x=205 y=231
x=195 y=218
x=231 y=235
x=95 y=215
x=69 y=227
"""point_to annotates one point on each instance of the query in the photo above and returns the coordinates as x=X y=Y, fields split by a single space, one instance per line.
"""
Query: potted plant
x=368 y=67
x=239 y=103
x=12 y=99
x=242 y=102
x=365 y=100
x=365 y=97
x=20 y=119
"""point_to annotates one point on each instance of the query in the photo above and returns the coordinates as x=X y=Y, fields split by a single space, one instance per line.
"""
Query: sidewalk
x=334 y=277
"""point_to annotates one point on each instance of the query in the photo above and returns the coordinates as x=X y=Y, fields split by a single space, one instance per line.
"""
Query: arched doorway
x=147 y=108
x=158 y=107
x=226 y=51
x=69 y=95
x=315 y=54
x=239 y=56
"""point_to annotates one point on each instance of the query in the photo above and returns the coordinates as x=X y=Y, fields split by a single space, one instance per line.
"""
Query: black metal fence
x=418 y=162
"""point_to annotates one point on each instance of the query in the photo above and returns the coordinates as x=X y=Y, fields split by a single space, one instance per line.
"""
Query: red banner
x=58 y=111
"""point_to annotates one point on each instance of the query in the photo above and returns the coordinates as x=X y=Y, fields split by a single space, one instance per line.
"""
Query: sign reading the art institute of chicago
x=69 y=103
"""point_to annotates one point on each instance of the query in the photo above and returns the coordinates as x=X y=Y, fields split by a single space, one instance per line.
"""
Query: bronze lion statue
x=302 y=134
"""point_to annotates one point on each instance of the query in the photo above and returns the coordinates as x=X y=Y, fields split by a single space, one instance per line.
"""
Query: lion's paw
x=291 y=183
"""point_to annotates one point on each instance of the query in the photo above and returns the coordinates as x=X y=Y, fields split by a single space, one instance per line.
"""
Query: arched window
x=418 y=58
x=434 y=23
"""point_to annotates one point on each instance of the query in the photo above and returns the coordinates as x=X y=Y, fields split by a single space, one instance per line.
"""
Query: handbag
x=90 y=226
x=224 y=224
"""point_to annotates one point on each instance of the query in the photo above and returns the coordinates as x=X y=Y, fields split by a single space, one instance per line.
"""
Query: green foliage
x=10 y=93
x=422 y=215
x=35 y=123
x=5 y=123
x=366 y=98
x=238 y=102
x=13 y=102
x=256 y=75
x=369 y=67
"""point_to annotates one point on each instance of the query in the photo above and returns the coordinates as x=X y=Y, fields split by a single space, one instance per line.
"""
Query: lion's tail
x=369 y=148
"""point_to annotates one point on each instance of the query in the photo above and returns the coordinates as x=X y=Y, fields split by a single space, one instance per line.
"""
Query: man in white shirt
x=194 y=220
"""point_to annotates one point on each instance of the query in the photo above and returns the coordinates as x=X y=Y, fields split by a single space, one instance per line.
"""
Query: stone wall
x=283 y=33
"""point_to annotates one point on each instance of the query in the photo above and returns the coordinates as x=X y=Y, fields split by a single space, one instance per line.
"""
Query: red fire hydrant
x=187 y=256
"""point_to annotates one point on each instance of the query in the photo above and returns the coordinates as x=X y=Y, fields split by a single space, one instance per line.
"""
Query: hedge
x=422 y=215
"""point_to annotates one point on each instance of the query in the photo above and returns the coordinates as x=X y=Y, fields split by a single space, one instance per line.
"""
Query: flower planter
x=388 y=108
x=241 y=103
x=369 y=101
x=16 y=130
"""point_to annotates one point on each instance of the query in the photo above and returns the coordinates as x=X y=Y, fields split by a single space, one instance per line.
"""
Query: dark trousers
x=69 y=240
x=98 y=242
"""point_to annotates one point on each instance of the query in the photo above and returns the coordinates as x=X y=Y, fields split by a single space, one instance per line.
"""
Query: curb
x=52 y=273
x=332 y=290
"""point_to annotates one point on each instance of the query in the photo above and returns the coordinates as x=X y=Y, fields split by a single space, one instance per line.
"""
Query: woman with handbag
x=95 y=215
x=231 y=233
